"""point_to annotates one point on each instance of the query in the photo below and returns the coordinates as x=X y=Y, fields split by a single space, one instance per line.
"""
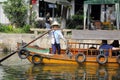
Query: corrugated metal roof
x=51 y=1
x=62 y=2
x=101 y=1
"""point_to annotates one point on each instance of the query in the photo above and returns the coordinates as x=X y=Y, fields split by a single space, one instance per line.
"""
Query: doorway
x=95 y=12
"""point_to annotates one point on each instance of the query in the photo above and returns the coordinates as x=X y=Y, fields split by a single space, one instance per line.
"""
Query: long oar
x=24 y=46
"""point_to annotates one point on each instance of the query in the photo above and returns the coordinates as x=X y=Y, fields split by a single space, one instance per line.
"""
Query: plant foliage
x=16 y=11
x=75 y=22
x=11 y=29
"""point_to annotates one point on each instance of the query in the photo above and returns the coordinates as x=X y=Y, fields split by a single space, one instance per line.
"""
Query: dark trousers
x=56 y=47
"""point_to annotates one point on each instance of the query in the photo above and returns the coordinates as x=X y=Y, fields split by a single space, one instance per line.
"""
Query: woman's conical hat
x=55 y=23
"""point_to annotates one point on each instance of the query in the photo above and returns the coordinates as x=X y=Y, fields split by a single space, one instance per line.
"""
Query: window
x=53 y=9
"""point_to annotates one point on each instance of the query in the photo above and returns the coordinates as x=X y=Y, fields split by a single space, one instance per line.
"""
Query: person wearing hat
x=56 y=34
x=48 y=21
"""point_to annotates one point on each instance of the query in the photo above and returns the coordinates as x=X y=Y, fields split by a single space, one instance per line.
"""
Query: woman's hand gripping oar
x=1 y=60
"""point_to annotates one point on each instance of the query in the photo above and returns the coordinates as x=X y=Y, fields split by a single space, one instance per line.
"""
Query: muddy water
x=16 y=69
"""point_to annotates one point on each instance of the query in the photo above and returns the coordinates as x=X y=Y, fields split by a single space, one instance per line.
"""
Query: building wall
x=70 y=12
x=3 y=18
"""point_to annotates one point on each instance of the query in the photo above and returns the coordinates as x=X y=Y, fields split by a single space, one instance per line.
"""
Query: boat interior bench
x=95 y=52
x=83 y=45
x=39 y=51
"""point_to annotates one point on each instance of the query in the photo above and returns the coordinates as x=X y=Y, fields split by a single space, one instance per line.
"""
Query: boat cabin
x=93 y=35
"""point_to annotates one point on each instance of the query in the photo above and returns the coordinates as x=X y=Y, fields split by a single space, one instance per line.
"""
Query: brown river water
x=14 y=68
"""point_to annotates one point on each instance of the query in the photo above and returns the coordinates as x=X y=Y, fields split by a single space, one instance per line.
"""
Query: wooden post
x=110 y=52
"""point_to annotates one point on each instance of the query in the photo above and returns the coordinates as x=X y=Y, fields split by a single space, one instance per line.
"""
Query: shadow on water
x=58 y=72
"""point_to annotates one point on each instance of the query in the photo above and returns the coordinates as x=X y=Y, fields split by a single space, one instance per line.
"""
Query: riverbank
x=10 y=40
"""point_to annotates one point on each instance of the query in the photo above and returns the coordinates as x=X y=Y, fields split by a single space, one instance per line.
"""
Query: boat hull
x=66 y=58
x=89 y=60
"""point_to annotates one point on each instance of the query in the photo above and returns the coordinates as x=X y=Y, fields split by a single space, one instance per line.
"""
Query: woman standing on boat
x=56 y=34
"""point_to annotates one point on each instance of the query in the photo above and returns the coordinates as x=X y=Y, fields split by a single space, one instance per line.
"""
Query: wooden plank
x=36 y=30
x=96 y=34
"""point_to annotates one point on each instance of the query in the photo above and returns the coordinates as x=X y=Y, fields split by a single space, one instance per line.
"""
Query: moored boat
x=37 y=55
x=76 y=52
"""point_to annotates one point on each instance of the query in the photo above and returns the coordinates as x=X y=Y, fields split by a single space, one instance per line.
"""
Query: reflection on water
x=58 y=72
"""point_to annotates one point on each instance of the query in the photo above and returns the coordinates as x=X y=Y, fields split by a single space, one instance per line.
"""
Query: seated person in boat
x=105 y=46
x=115 y=44
x=55 y=35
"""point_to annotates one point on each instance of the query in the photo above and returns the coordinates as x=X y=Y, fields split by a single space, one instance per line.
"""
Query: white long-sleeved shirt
x=56 y=35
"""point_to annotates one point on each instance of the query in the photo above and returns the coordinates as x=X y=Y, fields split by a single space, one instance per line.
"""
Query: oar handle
x=36 y=39
x=7 y=56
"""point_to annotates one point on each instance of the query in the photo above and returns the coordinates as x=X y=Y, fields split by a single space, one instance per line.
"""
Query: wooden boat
x=38 y=55
x=88 y=53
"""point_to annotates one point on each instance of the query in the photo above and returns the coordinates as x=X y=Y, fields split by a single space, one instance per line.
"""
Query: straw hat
x=55 y=23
